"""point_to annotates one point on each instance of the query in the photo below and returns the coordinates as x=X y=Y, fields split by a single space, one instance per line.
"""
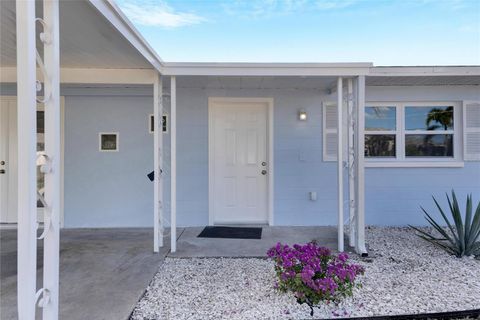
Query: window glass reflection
x=380 y=119
x=429 y=118
x=379 y=145
x=429 y=145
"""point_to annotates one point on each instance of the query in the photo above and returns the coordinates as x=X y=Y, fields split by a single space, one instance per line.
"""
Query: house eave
x=312 y=69
x=266 y=69
x=112 y=13
x=400 y=71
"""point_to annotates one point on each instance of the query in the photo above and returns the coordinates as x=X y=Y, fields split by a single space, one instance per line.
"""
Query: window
x=429 y=131
x=411 y=131
x=151 y=123
x=108 y=141
x=380 y=131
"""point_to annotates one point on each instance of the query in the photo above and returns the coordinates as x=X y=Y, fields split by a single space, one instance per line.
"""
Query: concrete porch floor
x=188 y=245
x=104 y=272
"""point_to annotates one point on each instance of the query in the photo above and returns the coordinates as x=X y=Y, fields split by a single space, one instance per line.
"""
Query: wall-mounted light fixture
x=302 y=115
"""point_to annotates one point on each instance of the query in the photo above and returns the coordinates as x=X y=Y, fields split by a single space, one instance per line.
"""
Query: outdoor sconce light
x=302 y=115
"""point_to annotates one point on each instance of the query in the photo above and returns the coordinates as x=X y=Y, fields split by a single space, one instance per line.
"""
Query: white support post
x=340 y=161
x=157 y=163
x=351 y=163
x=27 y=140
x=51 y=248
x=360 y=167
x=173 y=165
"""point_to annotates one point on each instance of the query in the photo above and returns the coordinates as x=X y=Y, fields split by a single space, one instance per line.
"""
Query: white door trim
x=270 y=153
x=62 y=149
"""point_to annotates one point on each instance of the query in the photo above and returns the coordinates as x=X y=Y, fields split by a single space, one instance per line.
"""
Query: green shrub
x=460 y=238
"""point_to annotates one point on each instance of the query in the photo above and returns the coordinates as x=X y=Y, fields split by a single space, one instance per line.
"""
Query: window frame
x=117 y=141
x=401 y=160
x=386 y=132
x=150 y=116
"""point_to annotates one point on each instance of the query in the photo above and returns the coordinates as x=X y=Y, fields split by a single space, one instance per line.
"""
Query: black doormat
x=231 y=232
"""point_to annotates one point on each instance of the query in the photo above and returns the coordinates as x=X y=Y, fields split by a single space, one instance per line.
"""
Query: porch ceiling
x=87 y=39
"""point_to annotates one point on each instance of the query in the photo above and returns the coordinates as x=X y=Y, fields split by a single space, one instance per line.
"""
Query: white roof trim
x=265 y=69
x=311 y=69
x=117 y=18
x=426 y=71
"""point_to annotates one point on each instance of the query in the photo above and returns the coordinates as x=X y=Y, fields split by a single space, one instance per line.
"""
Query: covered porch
x=40 y=67
x=104 y=272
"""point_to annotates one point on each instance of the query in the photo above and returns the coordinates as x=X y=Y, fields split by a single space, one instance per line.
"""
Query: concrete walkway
x=103 y=272
x=189 y=245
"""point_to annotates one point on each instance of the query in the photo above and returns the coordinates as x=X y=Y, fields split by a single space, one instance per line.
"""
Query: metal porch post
x=360 y=167
x=340 y=161
x=51 y=261
x=173 y=165
x=351 y=163
x=27 y=200
x=158 y=162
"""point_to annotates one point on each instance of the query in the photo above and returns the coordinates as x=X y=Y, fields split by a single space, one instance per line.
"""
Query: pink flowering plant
x=314 y=274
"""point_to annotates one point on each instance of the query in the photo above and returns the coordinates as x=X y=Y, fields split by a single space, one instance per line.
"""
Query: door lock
x=264 y=164
x=2 y=163
x=264 y=172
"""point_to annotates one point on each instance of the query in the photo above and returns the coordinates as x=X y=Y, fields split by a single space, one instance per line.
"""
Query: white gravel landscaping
x=405 y=275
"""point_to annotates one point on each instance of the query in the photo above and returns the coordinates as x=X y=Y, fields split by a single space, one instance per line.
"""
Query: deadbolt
x=2 y=171
x=2 y=163
x=264 y=172
x=264 y=163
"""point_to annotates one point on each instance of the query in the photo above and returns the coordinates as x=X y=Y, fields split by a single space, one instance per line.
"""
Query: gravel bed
x=405 y=275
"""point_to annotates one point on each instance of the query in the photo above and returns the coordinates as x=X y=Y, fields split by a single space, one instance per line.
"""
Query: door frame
x=270 y=154
x=62 y=150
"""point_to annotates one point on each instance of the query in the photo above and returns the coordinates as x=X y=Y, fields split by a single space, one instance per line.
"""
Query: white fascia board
x=425 y=71
x=266 y=69
x=115 y=16
x=90 y=76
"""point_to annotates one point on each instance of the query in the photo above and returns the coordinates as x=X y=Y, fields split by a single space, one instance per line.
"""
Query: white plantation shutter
x=471 y=130
x=329 y=131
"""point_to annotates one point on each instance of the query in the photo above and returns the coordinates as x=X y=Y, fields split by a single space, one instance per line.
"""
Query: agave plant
x=462 y=238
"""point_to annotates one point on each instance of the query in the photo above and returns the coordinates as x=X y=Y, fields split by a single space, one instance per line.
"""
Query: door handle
x=2 y=171
x=264 y=172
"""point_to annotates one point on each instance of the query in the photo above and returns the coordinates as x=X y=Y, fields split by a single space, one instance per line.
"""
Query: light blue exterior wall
x=111 y=189
x=297 y=153
x=107 y=189
x=393 y=196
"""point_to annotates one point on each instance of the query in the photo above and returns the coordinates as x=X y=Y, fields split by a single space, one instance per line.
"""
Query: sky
x=385 y=32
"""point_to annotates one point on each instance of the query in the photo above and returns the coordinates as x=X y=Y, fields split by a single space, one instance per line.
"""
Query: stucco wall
x=394 y=195
x=110 y=189
x=107 y=189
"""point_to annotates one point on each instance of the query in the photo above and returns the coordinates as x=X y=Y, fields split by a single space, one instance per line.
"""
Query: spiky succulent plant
x=460 y=238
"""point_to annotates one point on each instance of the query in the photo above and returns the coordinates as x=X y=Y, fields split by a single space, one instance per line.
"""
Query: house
x=230 y=143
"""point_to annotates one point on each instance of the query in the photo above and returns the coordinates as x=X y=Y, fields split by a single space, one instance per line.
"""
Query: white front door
x=238 y=162
x=8 y=160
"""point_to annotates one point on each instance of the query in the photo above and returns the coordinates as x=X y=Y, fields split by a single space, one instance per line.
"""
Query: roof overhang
x=112 y=13
x=93 y=34
x=424 y=76
x=265 y=69
x=425 y=71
